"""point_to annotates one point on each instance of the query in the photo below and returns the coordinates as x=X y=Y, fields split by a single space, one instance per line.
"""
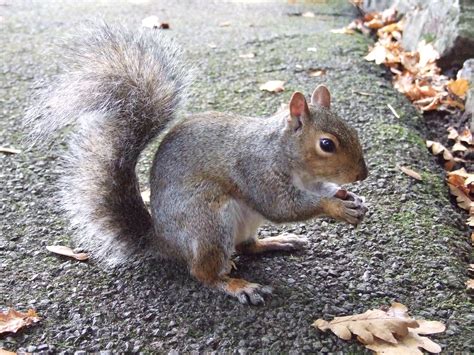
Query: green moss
x=397 y=132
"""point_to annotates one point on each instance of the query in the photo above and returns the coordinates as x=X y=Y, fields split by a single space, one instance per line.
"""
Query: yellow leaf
x=458 y=87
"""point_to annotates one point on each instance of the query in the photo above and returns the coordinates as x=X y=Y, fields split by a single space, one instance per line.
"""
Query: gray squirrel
x=216 y=177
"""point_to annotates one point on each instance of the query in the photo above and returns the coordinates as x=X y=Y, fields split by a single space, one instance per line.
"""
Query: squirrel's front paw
x=348 y=207
x=353 y=211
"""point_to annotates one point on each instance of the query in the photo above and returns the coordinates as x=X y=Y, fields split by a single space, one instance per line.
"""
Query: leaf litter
x=12 y=321
x=415 y=73
x=386 y=331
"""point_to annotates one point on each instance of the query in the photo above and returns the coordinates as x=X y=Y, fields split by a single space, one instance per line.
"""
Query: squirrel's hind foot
x=246 y=292
x=283 y=242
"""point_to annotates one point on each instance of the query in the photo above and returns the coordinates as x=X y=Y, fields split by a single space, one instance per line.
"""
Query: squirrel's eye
x=327 y=145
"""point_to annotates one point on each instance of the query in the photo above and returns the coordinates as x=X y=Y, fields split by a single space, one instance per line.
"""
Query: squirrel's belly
x=246 y=222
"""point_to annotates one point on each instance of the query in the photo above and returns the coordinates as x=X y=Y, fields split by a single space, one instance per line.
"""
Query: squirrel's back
x=120 y=89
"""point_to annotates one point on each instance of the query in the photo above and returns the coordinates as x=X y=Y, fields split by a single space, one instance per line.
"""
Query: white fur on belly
x=247 y=221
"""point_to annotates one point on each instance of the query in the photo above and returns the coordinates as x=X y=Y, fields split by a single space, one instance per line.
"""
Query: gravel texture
x=412 y=248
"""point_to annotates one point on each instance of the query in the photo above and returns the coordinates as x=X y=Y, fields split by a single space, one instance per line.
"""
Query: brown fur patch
x=207 y=266
x=332 y=207
x=233 y=286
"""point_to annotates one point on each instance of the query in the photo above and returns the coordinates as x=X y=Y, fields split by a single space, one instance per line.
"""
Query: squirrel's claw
x=246 y=292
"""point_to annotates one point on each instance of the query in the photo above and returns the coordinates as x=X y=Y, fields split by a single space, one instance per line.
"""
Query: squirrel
x=215 y=178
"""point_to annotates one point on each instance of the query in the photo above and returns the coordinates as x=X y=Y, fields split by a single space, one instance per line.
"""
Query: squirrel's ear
x=321 y=97
x=299 y=110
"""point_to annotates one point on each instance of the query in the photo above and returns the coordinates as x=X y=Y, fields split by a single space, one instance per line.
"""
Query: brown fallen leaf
x=470 y=284
x=409 y=344
x=452 y=133
x=462 y=199
x=11 y=321
x=466 y=136
x=66 y=251
x=9 y=150
x=459 y=147
x=372 y=323
x=6 y=352
x=410 y=173
x=273 y=86
x=316 y=72
x=377 y=54
x=386 y=332
x=437 y=148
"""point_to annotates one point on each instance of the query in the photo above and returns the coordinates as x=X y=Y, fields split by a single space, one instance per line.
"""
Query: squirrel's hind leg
x=283 y=242
x=212 y=266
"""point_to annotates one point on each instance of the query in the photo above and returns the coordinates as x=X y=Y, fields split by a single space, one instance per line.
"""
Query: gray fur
x=120 y=89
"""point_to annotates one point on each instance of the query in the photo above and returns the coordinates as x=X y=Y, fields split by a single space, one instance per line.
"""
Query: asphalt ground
x=412 y=248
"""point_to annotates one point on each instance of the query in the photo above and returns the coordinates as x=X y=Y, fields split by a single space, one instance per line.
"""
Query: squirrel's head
x=329 y=148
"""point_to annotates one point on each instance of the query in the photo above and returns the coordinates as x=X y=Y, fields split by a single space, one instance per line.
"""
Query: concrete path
x=413 y=247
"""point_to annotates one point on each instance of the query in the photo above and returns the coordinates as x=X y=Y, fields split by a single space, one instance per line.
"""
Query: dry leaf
x=462 y=200
x=466 y=136
x=458 y=147
x=9 y=150
x=247 y=55
x=316 y=72
x=411 y=173
x=427 y=53
x=6 y=352
x=470 y=284
x=377 y=54
x=458 y=87
x=376 y=330
x=452 y=133
x=273 y=86
x=344 y=31
x=372 y=323
x=225 y=24
x=438 y=148
x=66 y=251
x=12 y=321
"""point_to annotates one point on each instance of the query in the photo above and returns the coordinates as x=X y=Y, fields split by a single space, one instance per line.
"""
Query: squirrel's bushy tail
x=120 y=89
